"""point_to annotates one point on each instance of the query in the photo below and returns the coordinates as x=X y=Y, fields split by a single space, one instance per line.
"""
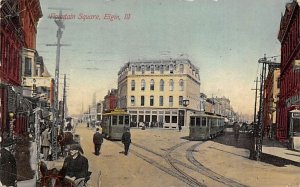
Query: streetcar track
x=208 y=172
x=171 y=172
x=170 y=161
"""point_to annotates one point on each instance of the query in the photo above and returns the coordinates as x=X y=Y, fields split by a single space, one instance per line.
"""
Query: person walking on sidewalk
x=98 y=140
x=126 y=140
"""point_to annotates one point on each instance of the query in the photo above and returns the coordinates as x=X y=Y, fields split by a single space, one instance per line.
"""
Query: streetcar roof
x=207 y=115
x=116 y=112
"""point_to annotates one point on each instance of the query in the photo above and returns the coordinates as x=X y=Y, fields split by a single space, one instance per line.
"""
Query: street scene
x=150 y=93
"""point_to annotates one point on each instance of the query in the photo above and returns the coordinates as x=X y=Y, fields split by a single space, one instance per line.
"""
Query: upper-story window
x=132 y=100
x=161 y=69
x=143 y=69
x=132 y=85
x=143 y=85
x=171 y=68
x=161 y=100
x=133 y=70
x=180 y=100
x=181 y=68
x=147 y=68
x=181 y=85
x=152 y=69
x=152 y=84
x=161 y=85
x=151 y=100
x=142 y=100
x=170 y=101
x=171 y=84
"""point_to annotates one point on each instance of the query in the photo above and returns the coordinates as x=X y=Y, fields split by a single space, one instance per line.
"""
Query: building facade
x=154 y=91
x=271 y=90
x=289 y=96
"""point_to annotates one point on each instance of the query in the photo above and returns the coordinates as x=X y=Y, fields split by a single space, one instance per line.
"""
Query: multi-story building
x=110 y=100
x=156 y=91
x=18 y=21
x=271 y=90
x=289 y=97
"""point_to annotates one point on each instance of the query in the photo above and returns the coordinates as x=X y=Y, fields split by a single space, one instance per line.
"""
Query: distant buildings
x=289 y=96
x=155 y=91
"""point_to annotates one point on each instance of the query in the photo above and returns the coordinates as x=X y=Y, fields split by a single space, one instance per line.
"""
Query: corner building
x=154 y=92
x=289 y=96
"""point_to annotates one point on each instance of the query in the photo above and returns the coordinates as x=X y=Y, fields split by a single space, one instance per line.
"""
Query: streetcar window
x=213 y=122
x=115 y=120
x=121 y=120
x=192 y=123
x=126 y=120
x=203 y=121
x=198 y=122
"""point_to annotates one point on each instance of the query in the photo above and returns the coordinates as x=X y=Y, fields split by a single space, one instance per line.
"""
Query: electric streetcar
x=204 y=126
x=115 y=123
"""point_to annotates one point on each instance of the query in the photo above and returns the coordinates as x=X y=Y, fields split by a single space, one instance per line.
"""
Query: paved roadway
x=167 y=158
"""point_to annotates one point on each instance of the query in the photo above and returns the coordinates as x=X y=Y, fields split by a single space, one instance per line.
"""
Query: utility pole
x=259 y=127
x=54 y=128
x=64 y=102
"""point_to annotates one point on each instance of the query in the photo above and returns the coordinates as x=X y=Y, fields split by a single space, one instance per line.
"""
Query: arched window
x=181 y=85
x=132 y=85
x=171 y=84
x=143 y=85
x=152 y=84
x=161 y=85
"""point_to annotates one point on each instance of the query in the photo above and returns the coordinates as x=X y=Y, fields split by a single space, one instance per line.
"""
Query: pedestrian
x=45 y=143
x=179 y=127
x=75 y=167
x=98 y=140
x=8 y=166
x=69 y=126
x=126 y=140
x=236 y=129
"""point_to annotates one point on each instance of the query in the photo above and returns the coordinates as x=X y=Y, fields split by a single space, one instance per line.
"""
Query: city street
x=166 y=158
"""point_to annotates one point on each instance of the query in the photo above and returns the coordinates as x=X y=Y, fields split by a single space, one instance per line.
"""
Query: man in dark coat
x=8 y=167
x=75 y=167
x=98 y=140
x=126 y=139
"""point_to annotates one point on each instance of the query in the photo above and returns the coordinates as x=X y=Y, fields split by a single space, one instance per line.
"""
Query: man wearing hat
x=126 y=140
x=75 y=167
x=98 y=140
x=8 y=167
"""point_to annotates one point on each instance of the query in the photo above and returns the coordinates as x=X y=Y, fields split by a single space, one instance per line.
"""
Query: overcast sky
x=224 y=38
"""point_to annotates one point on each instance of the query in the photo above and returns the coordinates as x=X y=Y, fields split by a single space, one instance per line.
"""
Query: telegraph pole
x=259 y=127
x=64 y=102
x=54 y=129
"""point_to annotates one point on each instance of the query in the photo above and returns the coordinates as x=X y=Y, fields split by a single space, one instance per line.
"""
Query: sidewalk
x=276 y=148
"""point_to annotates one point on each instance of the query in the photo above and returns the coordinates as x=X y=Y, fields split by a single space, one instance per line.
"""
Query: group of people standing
x=98 y=140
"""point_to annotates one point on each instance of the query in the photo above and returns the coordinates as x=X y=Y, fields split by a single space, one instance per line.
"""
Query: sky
x=223 y=38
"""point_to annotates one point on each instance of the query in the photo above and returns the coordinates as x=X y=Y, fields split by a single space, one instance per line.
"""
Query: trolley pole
x=254 y=136
x=64 y=102
x=54 y=128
